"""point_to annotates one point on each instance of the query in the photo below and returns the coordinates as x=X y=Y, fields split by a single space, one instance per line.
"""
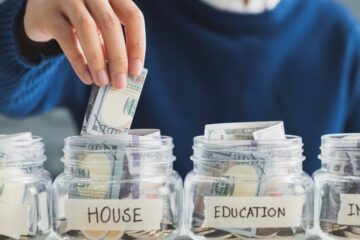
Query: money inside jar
x=337 y=187
x=109 y=183
x=127 y=164
x=240 y=164
x=24 y=188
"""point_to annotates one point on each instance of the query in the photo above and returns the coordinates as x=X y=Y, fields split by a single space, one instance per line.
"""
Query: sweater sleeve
x=26 y=87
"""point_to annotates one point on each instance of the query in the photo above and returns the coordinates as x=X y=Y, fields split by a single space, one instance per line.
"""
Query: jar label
x=253 y=212
x=14 y=220
x=349 y=213
x=113 y=214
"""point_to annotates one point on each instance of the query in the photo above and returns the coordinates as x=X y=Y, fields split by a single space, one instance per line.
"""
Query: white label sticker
x=113 y=214
x=253 y=212
x=349 y=213
x=14 y=220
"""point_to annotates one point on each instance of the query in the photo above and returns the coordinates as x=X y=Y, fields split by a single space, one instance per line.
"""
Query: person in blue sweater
x=209 y=62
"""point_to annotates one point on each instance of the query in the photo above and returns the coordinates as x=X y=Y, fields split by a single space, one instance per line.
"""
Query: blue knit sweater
x=298 y=63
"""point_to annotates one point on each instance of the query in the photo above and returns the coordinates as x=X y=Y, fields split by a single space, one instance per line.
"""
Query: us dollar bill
x=245 y=131
x=111 y=111
x=110 y=152
x=14 y=147
x=345 y=149
x=238 y=179
x=273 y=130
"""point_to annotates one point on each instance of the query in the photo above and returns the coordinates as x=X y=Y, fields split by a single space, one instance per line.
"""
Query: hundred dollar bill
x=344 y=149
x=89 y=108
x=241 y=131
x=111 y=111
x=118 y=162
x=12 y=191
x=245 y=131
x=137 y=167
x=110 y=152
x=98 y=158
x=250 y=174
x=132 y=161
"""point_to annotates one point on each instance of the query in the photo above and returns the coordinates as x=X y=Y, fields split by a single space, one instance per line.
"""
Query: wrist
x=31 y=50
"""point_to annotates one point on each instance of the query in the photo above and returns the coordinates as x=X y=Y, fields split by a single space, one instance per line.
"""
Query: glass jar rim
x=244 y=150
x=340 y=147
x=23 y=152
x=125 y=139
x=149 y=149
x=291 y=140
x=341 y=140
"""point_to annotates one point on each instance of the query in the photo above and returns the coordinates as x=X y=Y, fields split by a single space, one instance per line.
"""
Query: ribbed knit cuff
x=9 y=46
x=22 y=82
x=34 y=52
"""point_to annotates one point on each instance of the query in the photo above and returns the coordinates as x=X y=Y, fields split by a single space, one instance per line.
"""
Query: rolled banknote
x=110 y=152
x=344 y=151
x=234 y=174
x=273 y=130
x=13 y=191
x=111 y=111
x=245 y=131
x=103 y=156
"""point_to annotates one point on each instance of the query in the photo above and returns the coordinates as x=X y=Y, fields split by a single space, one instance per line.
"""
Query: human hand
x=91 y=36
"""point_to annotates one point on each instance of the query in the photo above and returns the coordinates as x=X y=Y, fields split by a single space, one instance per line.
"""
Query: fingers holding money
x=99 y=37
x=133 y=19
x=69 y=43
x=91 y=36
x=86 y=31
x=114 y=40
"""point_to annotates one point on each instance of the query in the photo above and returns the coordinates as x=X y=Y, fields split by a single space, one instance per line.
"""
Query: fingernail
x=87 y=77
x=102 y=77
x=135 y=67
x=120 y=81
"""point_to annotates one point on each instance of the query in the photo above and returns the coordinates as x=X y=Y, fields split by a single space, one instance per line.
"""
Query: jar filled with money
x=118 y=187
x=241 y=188
x=337 y=187
x=24 y=188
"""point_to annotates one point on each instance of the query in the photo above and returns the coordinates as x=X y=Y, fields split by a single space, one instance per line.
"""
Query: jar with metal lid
x=244 y=189
x=337 y=187
x=25 y=186
x=118 y=187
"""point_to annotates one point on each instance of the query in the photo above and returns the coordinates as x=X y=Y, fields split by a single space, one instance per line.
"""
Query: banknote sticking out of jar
x=25 y=188
x=118 y=187
x=248 y=183
x=337 y=187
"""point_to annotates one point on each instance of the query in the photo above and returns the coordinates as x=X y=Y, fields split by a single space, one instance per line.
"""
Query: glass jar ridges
x=24 y=188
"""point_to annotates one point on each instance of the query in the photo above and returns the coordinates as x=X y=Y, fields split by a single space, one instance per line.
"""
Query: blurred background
x=57 y=125
x=353 y=5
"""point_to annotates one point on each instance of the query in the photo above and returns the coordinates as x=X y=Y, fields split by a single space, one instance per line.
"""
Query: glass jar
x=243 y=189
x=337 y=187
x=117 y=187
x=24 y=188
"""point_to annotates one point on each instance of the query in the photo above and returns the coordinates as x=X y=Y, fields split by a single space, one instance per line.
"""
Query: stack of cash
x=236 y=179
x=111 y=112
x=122 y=173
x=344 y=163
x=17 y=189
